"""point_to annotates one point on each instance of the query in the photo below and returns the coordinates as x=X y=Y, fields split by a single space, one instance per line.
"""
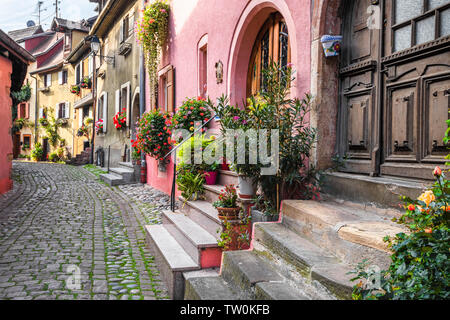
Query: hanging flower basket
x=331 y=45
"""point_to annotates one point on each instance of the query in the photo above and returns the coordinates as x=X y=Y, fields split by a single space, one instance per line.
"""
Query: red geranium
x=120 y=119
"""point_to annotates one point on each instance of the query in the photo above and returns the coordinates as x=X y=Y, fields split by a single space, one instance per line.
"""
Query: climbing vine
x=151 y=33
x=51 y=126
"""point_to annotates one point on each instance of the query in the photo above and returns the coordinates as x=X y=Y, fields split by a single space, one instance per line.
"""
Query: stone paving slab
x=66 y=235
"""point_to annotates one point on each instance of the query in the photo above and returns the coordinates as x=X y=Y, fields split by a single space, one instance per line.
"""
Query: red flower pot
x=211 y=177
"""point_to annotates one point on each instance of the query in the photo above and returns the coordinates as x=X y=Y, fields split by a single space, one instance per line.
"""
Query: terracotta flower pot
x=229 y=213
x=211 y=177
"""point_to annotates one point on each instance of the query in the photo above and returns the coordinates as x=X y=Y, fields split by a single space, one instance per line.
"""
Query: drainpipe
x=142 y=101
x=35 y=107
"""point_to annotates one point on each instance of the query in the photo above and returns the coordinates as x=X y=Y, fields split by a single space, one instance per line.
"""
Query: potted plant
x=210 y=173
x=86 y=83
x=331 y=45
x=75 y=89
x=120 y=119
x=227 y=204
x=190 y=184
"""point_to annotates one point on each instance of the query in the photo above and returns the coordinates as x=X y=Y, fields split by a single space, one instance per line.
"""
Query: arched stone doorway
x=253 y=18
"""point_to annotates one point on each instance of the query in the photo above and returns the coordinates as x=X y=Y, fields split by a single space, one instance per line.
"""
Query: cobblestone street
x=60 y=221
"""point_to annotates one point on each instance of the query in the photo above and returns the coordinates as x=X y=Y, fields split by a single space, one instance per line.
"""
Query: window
x=203 y=71
x=166 y=89
x=47 y=80
x=23 y=111
x=124 y=28
x=67 y=42
x=62 y=110
x=62 y=77
x=43 y=113
x=102 y=109
x=79 y=73
x=272 y=44
x=418 y=21
x=26 y=141
x=125 y=100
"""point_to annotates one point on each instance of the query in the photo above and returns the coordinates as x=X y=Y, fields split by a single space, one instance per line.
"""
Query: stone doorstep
x=311 y=260
x=370 y=233
x=112 y=179
x=364 y=227
x=203 y=213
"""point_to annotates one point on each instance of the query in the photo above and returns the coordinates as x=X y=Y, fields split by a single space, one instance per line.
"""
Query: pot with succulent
x=227 y=206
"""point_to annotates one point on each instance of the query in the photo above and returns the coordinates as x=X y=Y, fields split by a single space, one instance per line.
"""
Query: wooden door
x=395 y=87
x=16 y=145
x=358 y=136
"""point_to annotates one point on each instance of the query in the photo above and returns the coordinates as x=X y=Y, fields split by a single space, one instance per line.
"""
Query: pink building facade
x=210 y=49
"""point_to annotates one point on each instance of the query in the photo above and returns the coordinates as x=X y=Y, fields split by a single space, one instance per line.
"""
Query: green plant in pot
x=227 y=204
x=37 y=152
x=189 y=183
x=210 y=171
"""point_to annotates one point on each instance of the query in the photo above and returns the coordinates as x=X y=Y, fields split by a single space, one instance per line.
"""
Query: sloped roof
x=68 y=24
x=20 y=34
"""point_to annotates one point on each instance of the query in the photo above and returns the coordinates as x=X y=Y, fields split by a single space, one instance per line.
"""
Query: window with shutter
x=117 y=101
x=67 y=110
x=105 y=111
x=166 y=94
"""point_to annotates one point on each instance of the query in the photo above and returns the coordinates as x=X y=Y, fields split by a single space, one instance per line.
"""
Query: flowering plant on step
x=120 y=119
x=153 y=134
x=420 y=265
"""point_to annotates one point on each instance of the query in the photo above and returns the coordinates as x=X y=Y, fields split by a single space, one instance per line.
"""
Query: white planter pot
x=331 y=45
x=247 y=188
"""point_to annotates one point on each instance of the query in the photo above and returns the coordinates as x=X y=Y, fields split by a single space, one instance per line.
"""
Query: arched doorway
x=394 y=86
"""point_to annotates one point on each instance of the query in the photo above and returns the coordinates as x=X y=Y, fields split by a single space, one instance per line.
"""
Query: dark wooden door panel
x=436 y=111
x=401 y=128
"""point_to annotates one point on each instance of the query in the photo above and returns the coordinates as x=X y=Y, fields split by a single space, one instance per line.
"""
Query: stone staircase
x=186 y=240
x=126 y=173
x=309 y=253
x=81 y=158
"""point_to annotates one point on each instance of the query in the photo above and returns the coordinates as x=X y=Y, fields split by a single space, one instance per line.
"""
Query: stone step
x=208 y=288
x=112 y=179
x=226 y=177
x=204 y=214
x=310 y=260
x=201 y=246
x=127 y=174
x=351 y=232
x=171 y=258
x=256 y=277
x=126 y=165
x=380 y=192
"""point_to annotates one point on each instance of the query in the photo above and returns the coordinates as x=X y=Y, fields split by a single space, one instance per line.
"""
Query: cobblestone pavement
x=66 y=235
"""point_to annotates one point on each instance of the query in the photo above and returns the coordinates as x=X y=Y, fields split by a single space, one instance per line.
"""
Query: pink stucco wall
x=5 y=125
x=232 y=27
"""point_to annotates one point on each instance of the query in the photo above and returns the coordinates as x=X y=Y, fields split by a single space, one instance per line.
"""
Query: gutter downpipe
x=142 y=98
x=35 y=107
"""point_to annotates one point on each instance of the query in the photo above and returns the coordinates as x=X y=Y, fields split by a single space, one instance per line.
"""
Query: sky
x=14 y=14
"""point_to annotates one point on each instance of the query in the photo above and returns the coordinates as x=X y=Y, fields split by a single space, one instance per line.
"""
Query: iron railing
x=172 y=193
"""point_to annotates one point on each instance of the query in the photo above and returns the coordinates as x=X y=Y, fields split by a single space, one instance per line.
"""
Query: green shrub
x=420 y=266
x=37 y=152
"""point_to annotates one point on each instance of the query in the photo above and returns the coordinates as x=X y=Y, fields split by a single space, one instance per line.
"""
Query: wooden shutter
x=121 y=32
x=105 y=111
x=128 y=104
x=131 y=22
x=41 y=113
x=57 y=111
x=90 y=65
x=170 y=86
x=80 y=117
x=27 y=110
x=117 y=101
x=60 y=77
x=67 y=110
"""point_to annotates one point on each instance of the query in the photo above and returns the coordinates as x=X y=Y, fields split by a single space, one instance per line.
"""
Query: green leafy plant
x=23 y=95
x=151 y=31
x=447 y=141
x=235 y=236
x=75 y=89
x=420 y=264
x=51 y=127
x=37 y=152
x=190 y=185
x=86 y=83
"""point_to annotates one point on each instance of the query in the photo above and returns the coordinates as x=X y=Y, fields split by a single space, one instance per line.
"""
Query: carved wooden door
x=405 y=83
